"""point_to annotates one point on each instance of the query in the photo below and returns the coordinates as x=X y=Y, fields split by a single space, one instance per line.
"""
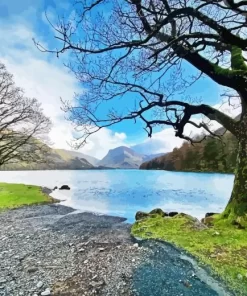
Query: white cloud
x=101 y=142
x=45 y=78
x=48 y=81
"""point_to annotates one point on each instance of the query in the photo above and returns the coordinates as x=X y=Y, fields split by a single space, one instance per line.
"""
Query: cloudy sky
x=44 y=76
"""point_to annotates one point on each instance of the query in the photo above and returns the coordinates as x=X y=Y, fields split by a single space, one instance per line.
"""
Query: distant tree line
x=207 y=156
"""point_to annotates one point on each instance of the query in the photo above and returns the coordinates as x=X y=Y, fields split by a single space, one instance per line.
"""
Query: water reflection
x=123 y=192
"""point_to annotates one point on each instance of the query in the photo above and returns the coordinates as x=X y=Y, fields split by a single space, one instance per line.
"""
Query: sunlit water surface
x=124 y=192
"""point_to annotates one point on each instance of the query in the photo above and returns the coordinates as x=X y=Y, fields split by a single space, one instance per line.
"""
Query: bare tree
x=23 y=126
x=136 y=50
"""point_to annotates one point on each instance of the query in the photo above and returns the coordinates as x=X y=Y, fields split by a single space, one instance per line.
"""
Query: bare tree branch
x=23 y=126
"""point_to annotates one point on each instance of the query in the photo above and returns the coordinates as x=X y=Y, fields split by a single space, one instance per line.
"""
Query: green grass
x=223 y=248
x=17 y=195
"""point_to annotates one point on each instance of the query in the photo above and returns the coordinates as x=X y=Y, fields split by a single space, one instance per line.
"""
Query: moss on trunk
x=237 y=205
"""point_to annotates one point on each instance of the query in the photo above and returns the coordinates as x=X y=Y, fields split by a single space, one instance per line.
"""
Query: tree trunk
x=237 y=205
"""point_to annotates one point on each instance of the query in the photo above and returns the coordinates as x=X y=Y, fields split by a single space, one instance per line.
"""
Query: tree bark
x=237 y=205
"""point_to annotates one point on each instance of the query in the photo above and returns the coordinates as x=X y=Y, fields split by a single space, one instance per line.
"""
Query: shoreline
x=103 y=230
x=53 y=247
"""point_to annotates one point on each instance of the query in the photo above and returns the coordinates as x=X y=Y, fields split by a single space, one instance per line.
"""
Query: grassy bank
x=222 y=247
x=17 y=195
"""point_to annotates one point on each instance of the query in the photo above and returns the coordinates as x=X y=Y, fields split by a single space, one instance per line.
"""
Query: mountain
x=211 y=155
x=68 y=154
x=124 y=157
x=57 y=159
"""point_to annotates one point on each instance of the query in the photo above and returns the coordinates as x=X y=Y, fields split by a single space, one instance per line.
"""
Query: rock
x=39 y=284
x=239 y=276
x=158 y=212
x=217 y=233
x=101 y=249
x=47 y=292
x=32 y=269
x=136 y=245
x=172 y=214
x=55 y=188
x=97 y=284
x=81 y=250
x=187 y=284
x=237 y=224
x=64 y=187
x=208 y=221
x=46 y=190
x=210 y=214
x=3 y=281
x=141 y=215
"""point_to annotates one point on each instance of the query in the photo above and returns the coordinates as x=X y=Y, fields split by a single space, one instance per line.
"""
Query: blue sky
x=45 y=77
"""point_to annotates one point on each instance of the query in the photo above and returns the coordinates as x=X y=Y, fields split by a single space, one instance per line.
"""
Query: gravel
x=53 y=250
x=48 y=250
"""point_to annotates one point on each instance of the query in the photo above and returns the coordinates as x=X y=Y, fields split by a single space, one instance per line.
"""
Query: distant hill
x=57 y=159
x=68 y=154
x=209 y=156
x=125 y=158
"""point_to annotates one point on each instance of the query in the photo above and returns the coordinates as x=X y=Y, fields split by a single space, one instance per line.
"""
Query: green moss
x=223 y=248
x=238 y=65
x=16 y=195
x=237 y=60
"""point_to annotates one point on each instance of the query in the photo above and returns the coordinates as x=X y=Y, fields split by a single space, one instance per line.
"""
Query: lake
x=124 y=192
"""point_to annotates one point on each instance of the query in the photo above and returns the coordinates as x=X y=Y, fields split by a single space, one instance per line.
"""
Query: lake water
x=124 y=192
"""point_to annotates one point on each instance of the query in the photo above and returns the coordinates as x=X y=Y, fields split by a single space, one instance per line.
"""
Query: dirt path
x=50 y=250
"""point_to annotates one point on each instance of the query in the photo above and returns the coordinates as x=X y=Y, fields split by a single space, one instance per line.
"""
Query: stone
x=237 y=224
x=141 y=215
x=187 y=284
x=158 y=211
x=172 y=214
x=39 y=284
x=81 y=250
x=96 y=284
x=55 y=188
x=101 y=249
x=208 y=221
x=3 y=281
x=239 y=276
x=32 y=269
x=210 y=214
x=47 y=292
x=64 y=187
x=136 y=245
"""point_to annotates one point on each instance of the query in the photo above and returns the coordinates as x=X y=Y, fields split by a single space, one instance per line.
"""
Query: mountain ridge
x=124 y=157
